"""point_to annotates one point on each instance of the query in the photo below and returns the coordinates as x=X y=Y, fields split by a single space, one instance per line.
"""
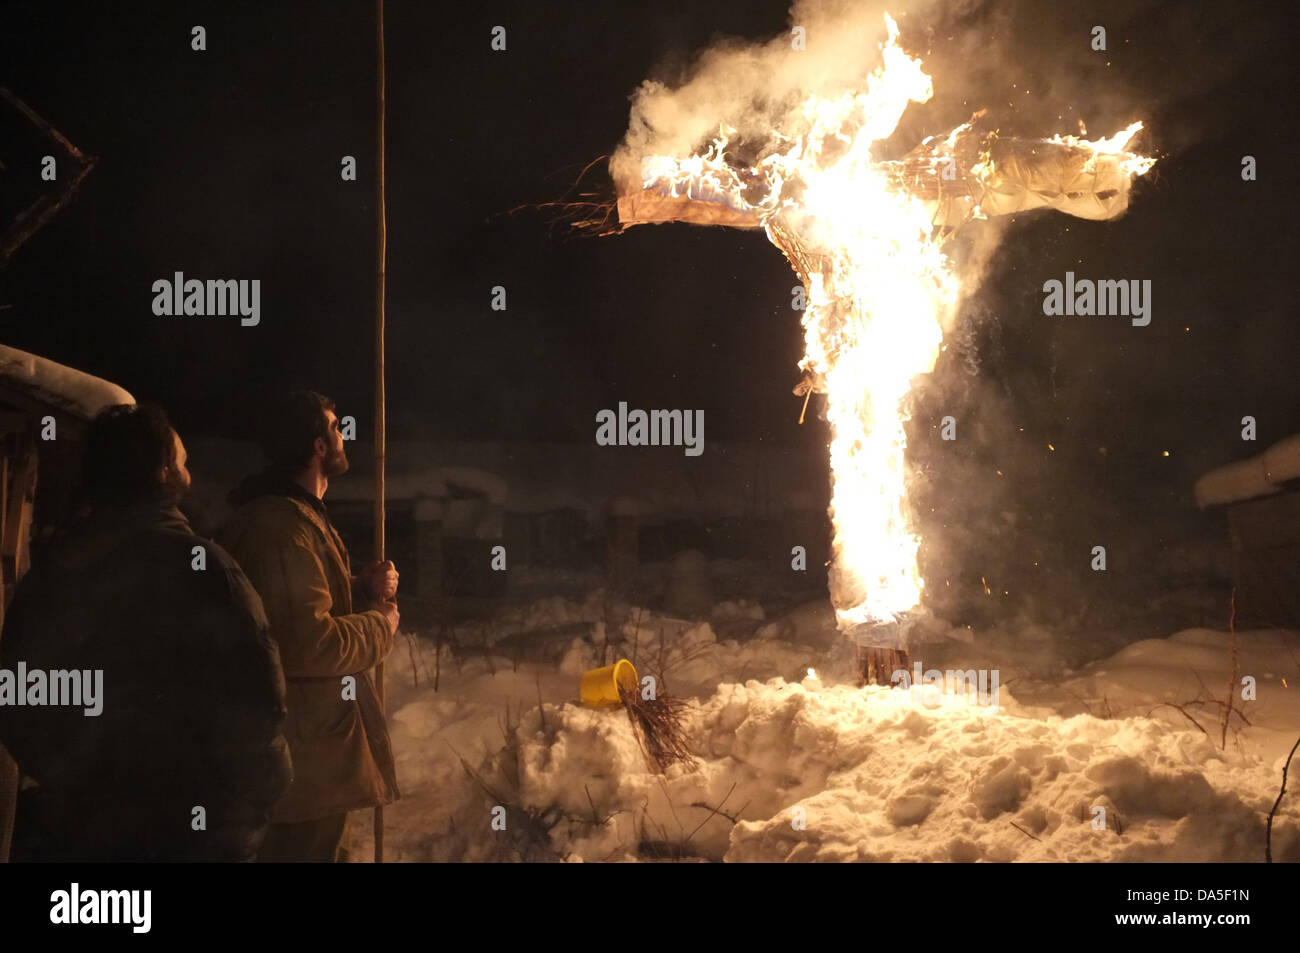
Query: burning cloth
x=867 y=237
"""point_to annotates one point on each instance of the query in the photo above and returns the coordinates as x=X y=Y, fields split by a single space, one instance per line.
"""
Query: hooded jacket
x=336 y=730
x=192 y=696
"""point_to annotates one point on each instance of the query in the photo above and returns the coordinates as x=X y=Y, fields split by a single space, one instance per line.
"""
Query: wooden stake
x=380 y=420
x=877 y=665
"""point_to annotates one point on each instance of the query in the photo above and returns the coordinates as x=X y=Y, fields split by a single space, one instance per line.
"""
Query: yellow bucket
x=600 y=685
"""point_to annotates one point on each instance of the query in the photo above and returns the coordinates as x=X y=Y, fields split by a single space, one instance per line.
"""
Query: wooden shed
x=45 y=409
x=1261 y=496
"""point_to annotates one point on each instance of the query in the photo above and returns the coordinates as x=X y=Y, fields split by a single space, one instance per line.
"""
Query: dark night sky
x=226 y=164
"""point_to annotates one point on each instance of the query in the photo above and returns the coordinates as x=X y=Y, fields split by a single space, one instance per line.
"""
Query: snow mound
x=1122 y=761
x=1181 y=681
x=893 y=781
x=802 y=771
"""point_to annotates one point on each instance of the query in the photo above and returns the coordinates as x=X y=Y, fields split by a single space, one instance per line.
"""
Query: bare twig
x=593 y=211
x=734 y=819
x=714 y=811
x=1208 y=702
x=437 y=662
x=1025 y=832
x=1289 y=651
x=1082 y=701
x=636 y=631
x=1183 y=712
x=410 y=650
x=541 y=709
x=474 y=775
x=1232 y=674
x=1268 y=832
x=671 y=809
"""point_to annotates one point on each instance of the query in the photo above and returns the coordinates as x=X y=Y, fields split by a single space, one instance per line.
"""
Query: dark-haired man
x=282 y=536
x=184 y=758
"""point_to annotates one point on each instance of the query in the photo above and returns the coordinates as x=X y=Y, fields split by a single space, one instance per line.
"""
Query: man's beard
x=336 y=464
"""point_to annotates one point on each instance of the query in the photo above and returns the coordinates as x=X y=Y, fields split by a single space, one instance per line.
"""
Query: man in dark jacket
x=185 y=757
x=332 y=630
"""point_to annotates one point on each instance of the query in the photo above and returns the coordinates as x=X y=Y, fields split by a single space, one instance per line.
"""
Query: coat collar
x=274 y=481
x=329 y=535
x=108 y=528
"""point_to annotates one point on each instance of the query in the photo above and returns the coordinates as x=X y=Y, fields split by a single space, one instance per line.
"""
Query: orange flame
x=879 y=287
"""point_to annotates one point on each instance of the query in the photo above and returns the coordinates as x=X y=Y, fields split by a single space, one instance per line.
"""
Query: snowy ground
x=1119 y=759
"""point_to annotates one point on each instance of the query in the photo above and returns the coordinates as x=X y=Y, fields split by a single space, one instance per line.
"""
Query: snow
x=471 y=519
x=1242 y=480
x=1282 y=460
x=1260 y=475
x=796 y=763
x=57 y=385
x=1191 y=669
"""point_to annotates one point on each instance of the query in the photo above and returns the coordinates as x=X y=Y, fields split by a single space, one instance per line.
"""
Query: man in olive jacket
x=282 y=537
x=179 y=756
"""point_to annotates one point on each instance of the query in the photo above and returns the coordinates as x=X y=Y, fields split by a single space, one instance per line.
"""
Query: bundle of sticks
x=659 y=728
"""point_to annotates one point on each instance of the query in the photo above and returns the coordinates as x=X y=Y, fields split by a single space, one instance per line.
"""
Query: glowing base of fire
x=868 y=630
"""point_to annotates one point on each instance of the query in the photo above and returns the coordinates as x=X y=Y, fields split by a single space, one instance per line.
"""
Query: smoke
x=831 y=48
x=754 y=86
x=1030 y=63
x=999 y=503
x=980 y=56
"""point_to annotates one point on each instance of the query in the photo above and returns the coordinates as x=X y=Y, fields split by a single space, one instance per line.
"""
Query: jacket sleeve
x=294 y=587
x=247 y=704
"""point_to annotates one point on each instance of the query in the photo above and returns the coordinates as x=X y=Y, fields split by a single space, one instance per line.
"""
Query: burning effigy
x=868 y=238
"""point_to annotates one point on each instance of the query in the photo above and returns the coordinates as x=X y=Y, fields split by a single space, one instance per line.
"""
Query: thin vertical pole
x=380 y=419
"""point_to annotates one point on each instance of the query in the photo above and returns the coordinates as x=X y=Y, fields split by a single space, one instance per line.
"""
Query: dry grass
x=659 y=729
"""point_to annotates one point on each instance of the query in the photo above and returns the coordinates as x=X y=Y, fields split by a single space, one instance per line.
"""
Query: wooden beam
x=33 y=218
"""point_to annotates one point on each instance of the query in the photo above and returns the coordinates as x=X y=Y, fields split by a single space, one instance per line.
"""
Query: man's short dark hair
x=290 y=427
x=125 y=447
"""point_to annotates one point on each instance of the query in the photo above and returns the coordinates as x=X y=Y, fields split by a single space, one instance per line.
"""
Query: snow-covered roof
x=538 y=477
x=56 y=385
x=436 y=483
x=1260 y=475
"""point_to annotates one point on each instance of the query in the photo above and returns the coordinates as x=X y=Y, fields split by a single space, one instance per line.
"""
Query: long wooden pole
x=381 y=448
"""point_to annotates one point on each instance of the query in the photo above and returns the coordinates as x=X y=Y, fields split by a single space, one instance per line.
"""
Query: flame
x=879 y=288
x=1129 y=163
